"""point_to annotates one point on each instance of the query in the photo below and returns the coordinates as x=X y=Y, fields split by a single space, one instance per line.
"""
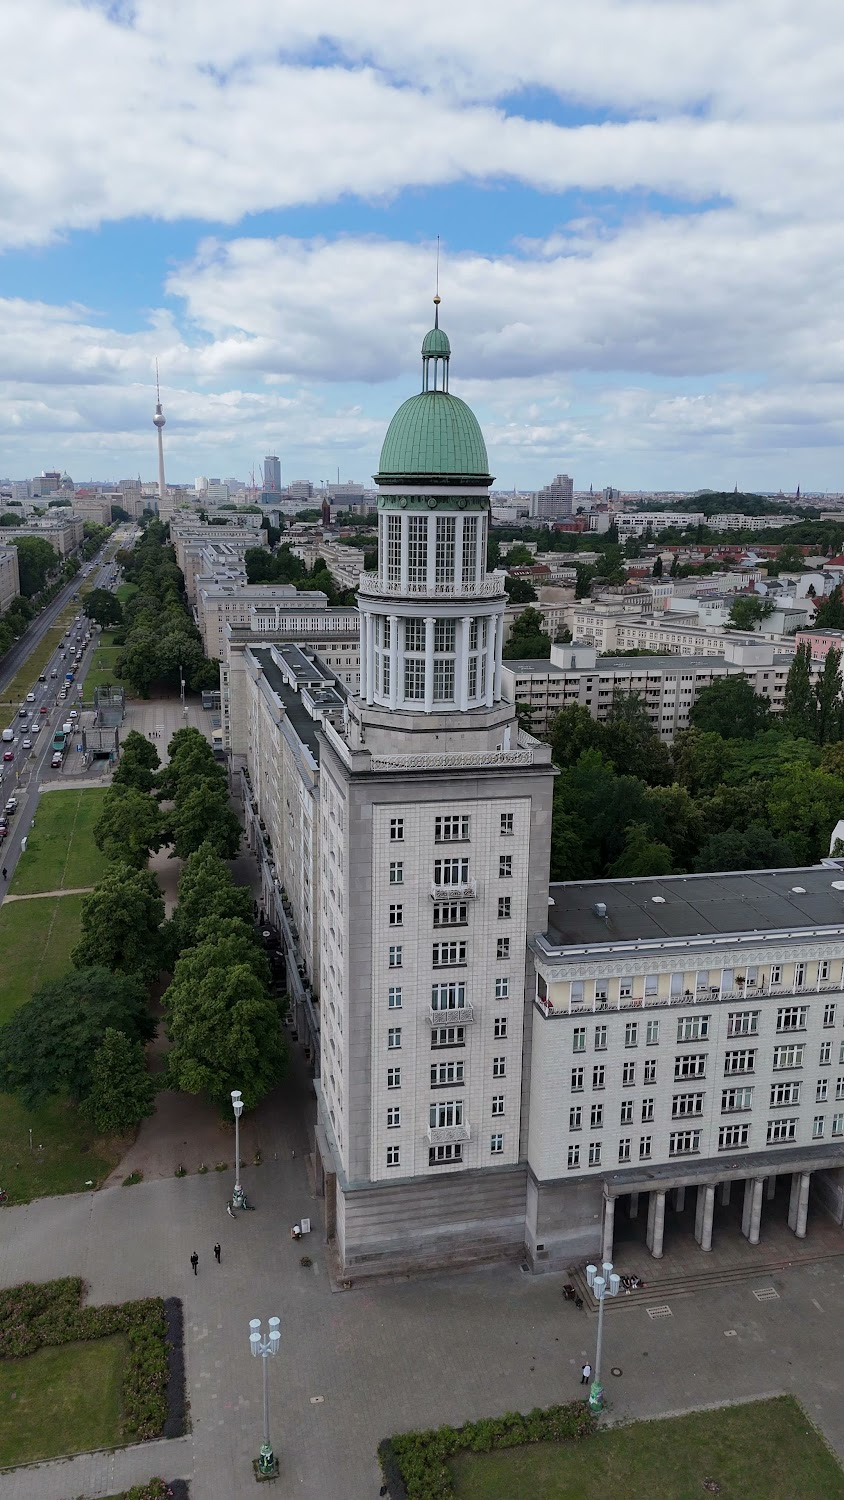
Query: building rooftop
x=689 y=906
x=305 y=687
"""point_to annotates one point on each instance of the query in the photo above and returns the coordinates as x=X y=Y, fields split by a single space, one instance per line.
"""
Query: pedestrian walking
x=194 y=1260
x=5 y=873
x=217 y=1253
x=586 y=1374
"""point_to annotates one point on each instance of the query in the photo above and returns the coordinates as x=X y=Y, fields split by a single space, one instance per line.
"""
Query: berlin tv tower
x=158 y=421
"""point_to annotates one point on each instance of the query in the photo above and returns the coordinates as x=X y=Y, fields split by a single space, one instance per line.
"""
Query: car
x=56 y=761
x=12 y=805
x=27 y=743
x=43 y=709
x=8 y=754
x=42 y=676
x=36 y=728
x=30 y=697
x=62 y=695
x=73 y=714
x=54 y=672
x=23 y=713
x=3 y=832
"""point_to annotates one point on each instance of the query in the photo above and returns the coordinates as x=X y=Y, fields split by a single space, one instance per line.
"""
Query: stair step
x=664 y=1287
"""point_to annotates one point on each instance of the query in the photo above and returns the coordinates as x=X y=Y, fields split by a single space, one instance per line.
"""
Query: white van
x=8 y=735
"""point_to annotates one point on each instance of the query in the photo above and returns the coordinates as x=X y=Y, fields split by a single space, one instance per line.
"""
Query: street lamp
x=265 y=1347
x=601 y=1287
x=237 y=1106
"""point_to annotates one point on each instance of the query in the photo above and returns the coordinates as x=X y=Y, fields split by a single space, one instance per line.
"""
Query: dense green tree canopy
x=139 y=760
x=121 y=924
x=36 y=560
x=104 y=607
x=207 y=895
x=121 y=1092
x=130 y=826
x=225 y=1033
x=528 y=638
x=730 y=707
x=202 y=815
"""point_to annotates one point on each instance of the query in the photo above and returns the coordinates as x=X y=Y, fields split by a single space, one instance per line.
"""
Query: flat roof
x=678 y=906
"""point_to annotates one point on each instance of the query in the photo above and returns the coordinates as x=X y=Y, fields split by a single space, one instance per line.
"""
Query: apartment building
x=211 y=551
x=230 y=601
x=63 y=535
x=10 y=584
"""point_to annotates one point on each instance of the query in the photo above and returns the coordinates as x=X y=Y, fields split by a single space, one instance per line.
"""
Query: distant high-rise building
x=158 y=421
x=272 y=474
x=555 y=499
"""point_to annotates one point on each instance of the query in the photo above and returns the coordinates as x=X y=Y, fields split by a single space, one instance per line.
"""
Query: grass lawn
x=60 y=850
x=66 y=1152
x=35 y=942
x=125 y=591
x=61 y=1400
x=764 y=1450
x=101 y=672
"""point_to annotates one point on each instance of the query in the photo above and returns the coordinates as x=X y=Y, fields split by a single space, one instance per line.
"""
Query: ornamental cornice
x=423 y=503
x=683 y=960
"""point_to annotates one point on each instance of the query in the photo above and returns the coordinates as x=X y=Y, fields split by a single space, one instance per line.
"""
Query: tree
x=138 y=760
x=641 y=855
x=519 y=556
x=121 y=1092
x=803 y=808
x=225 y=1033
x=754 y=848
x=493 y=553
x=48 y=1046
x=674 y=571
x=630 y=741
x=104 y=607
x=829 y=614
x=519 y=590
x=36 y=560
x=129 y=827
x=528 y=639
x=747 y=611
x=207 y=894
x=656 y=570
x=191 y=760
x=121 y=924
x=730 y=707
x=828 y=698
x=202 y=815
x=226 y=943
x=799 y=709
x=137 y=663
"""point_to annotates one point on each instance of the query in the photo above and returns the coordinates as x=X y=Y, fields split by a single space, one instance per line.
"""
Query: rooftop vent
x=658 y=900
x=838 y=885
x=600 y=910
x=800 y=890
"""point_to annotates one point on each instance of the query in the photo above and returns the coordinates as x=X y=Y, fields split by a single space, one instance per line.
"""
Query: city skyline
x=638 y=217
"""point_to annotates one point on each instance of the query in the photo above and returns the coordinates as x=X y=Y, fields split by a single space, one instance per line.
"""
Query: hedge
x=415 y=1464
x=35 y=1315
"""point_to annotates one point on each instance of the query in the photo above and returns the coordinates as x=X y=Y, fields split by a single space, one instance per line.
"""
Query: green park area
x=60 y=851
x=35 y=941
x=61 y=1400
x=125 y=591
x=101 y=672
x=764 y=1450
x=66 y=1154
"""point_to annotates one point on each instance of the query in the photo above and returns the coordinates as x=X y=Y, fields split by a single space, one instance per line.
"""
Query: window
x=445 y=955
x=693 y=1065
x=651 y=1033
x=506 y=824
x=417 y=552
x=780 y=1131
x=574 y=1157
x=631 y=1034
x=451 y=914
x=396 y=830
x=393 y=1156
x=394 y=997
x=496 y=1144
x=624 y=1149
x=799 y=976
x=498 y=1104
x=499 y=1027
x=576 y=1117
x=776 y=973
x=394 y=959
x=789 y=1057
x=394 y=549
x=823 y=973
x=451 y=871
x=576 y=1080
x=502 y=987
x=594 y=1153
x=628 y=1075
x=625 y=989
x=838 y=1125
x=444 y=553
x=683 y=1142
x=599 y=1077
x=825 y=1056
x=499 y=1067
x=732 y=1136
x=443 y=1156
x=742 y=1023
x=626 y=1112
x=693 y=1028
x=394 y=1037
x=448 y=996
x=828 y=1010
x=445 y=1113
x=686 y=1104
x=821 y=1090
x=792 y=1017
x=396 y=872
x=645 y=1143
x=395 y=915
x=394 y=1117
x=650 y=1071
x=502 y=948
x=785 y=1093
x=839 y=1088
x=647 y=1110
x=446 y=1072
x=578 y=1041
x=394 y=1078
x=743 y=1061
x=600 y=1038
x=504 y=908
x=596 y=1117
x=736 y=1099
x=452 y=829
x=601 y=991
x=448 y=1036
x=505 y=867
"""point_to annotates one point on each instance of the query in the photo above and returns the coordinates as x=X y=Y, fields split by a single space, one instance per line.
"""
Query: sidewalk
x=98 y=1475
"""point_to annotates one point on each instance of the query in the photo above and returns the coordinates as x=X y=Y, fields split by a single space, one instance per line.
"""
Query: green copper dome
x=434 y=433
x=436 y=342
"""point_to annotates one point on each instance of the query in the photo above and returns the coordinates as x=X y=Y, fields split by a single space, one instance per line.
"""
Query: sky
x=639 y=206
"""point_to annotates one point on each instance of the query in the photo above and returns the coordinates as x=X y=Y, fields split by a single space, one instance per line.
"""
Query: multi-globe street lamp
x=237 y=1106
x=266 y=1348
x=601 y=1287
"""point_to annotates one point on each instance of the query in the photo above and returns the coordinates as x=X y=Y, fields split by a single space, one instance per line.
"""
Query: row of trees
x=161 y=642
x=282 y=566
x=184 y=805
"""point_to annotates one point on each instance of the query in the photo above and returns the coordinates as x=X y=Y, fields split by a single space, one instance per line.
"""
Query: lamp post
x=266 y=1348
x=601 y=1287
x=237 y=1106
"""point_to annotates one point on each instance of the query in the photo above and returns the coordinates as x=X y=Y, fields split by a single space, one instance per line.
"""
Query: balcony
x=447 y=1135
x=459 y=1015
x=489 y=587
x=464 y=891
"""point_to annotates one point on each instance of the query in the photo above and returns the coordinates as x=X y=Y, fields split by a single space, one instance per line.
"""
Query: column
x=634 y=1205
x=770 y=1188
x=725 y=1193
x=499 y=652
x=751 y=1218
x=798 y=1203
x=405 y=553
x=364 y=655
x=609 y=1222
x=656 y=1224
x=679 y=1199
x=370 y=658
x=490 y=660
x=464 y=629
x=395 y=626
x=429 y=664
x=704 y=1212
